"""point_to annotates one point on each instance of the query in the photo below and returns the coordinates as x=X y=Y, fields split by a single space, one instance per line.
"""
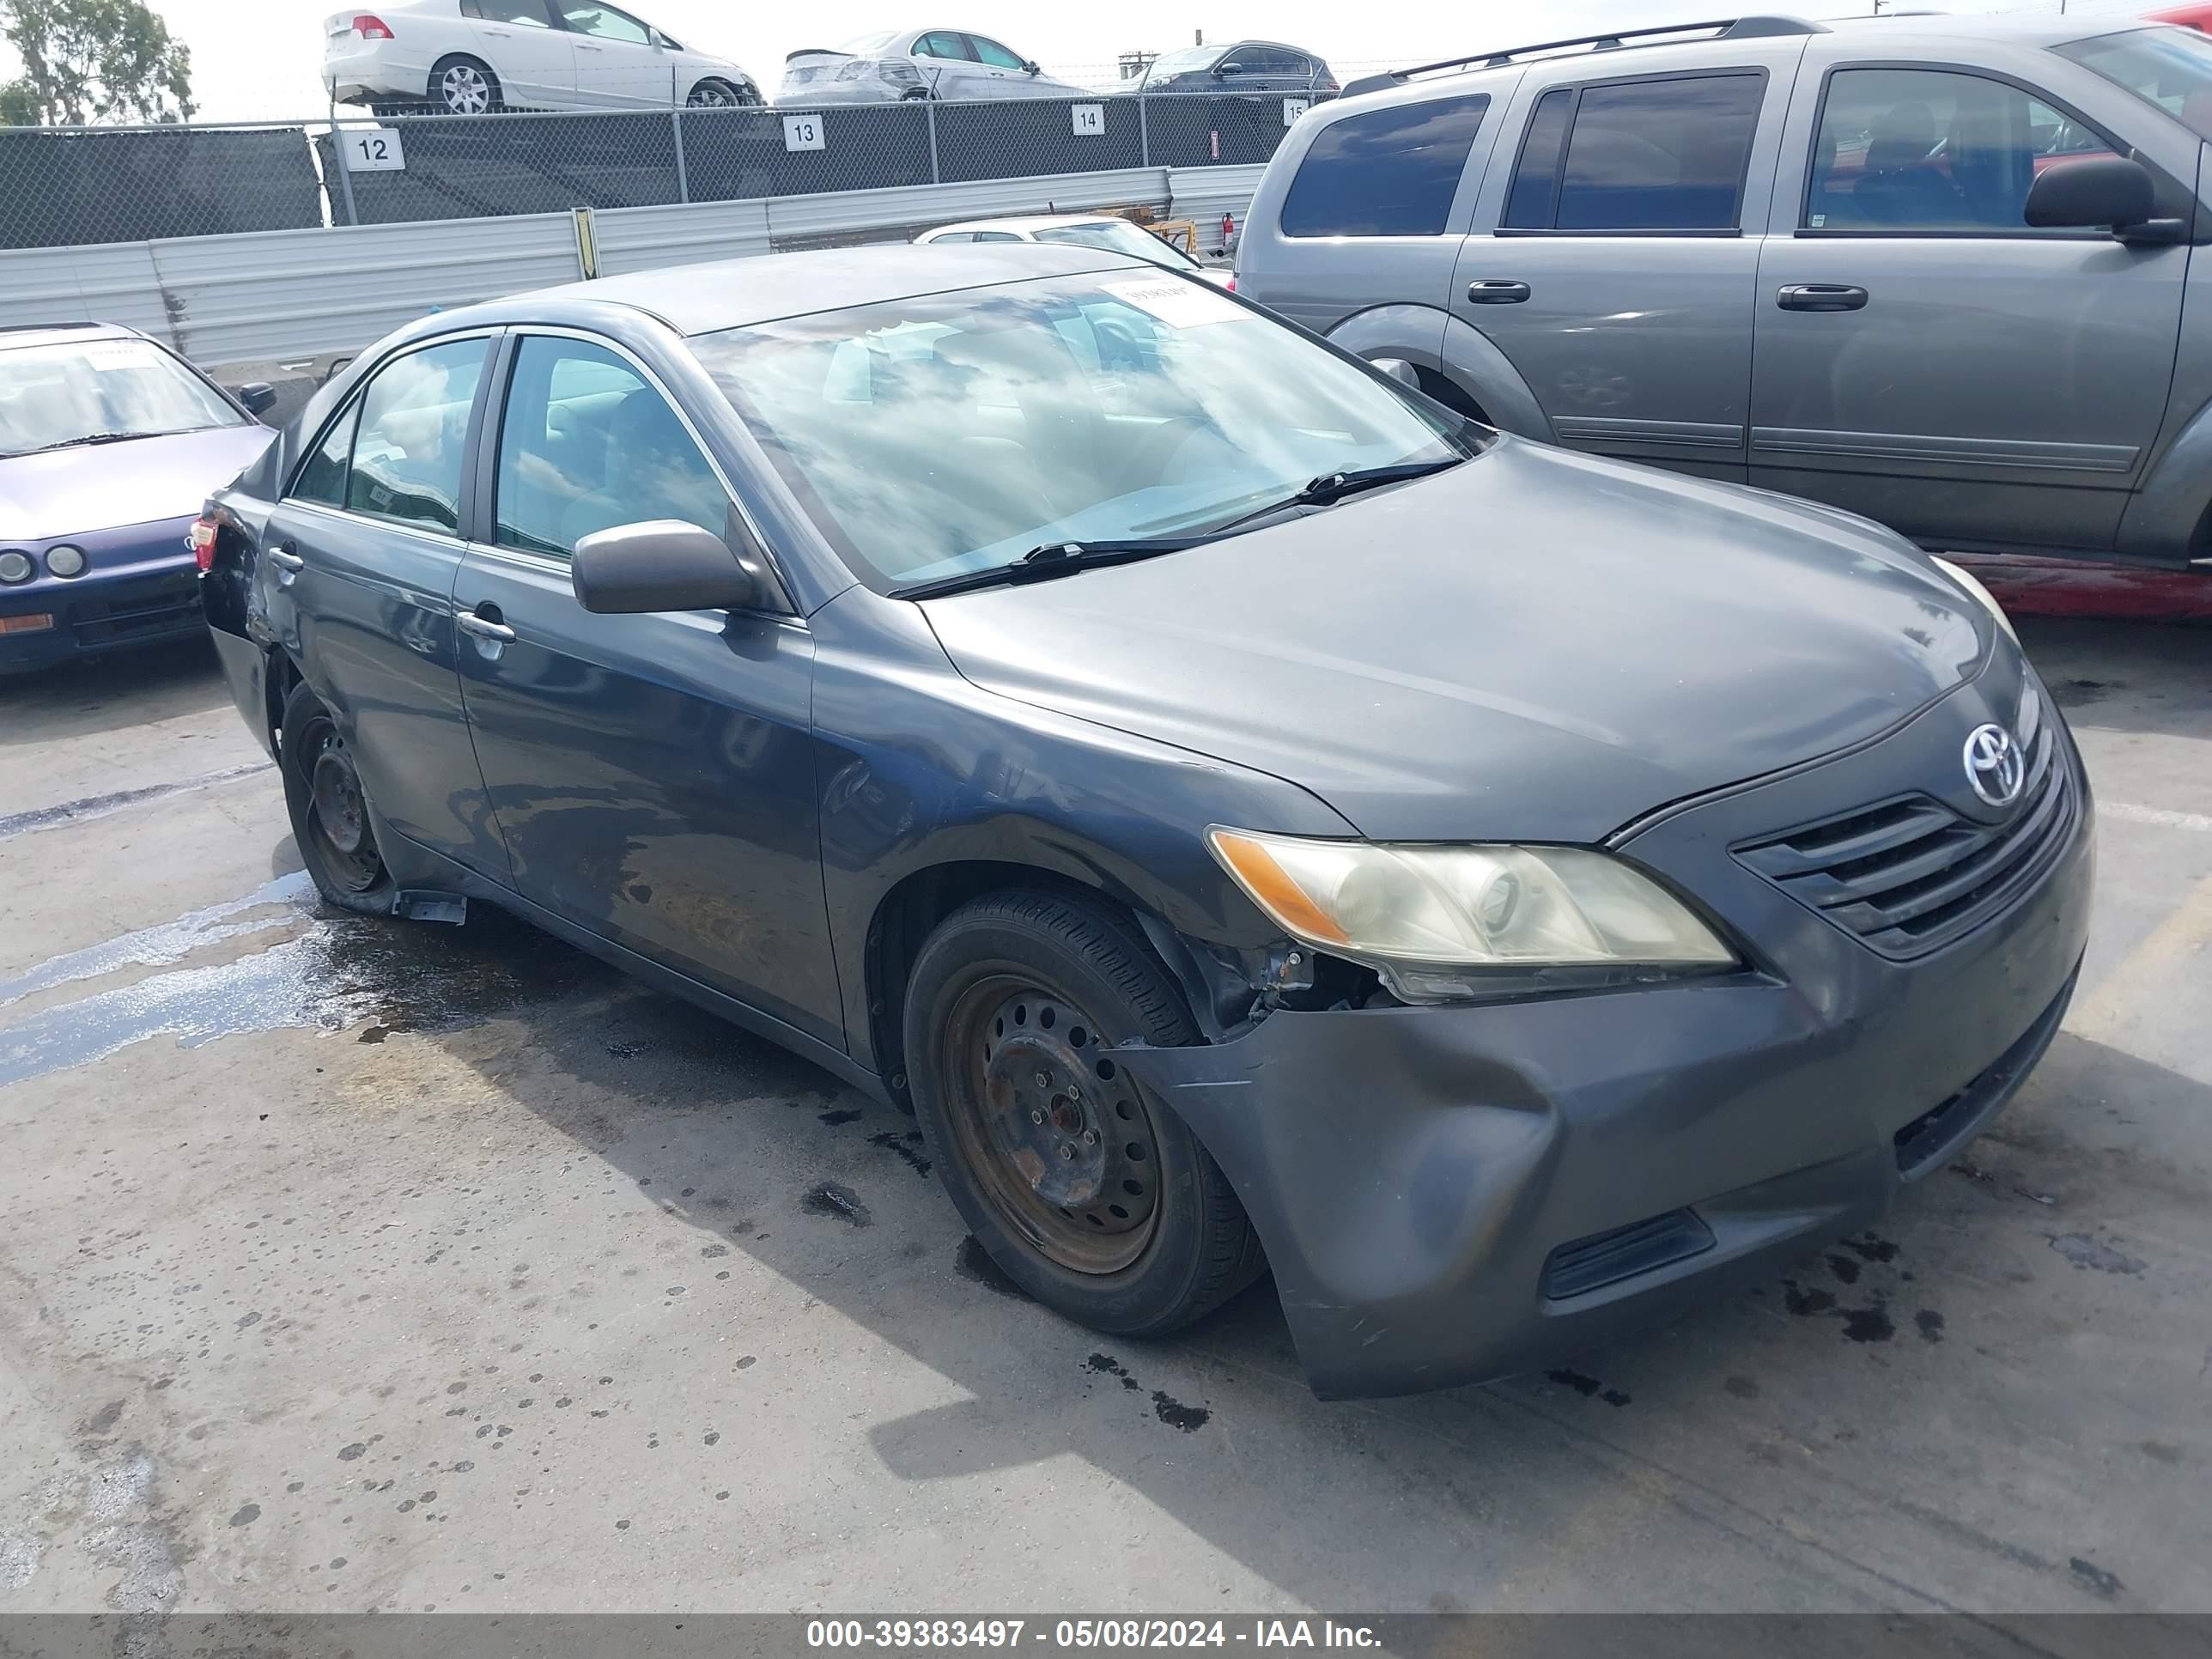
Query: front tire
x=461 y=85
x=1082 y=1188
x=720 y=95
x=329 y=809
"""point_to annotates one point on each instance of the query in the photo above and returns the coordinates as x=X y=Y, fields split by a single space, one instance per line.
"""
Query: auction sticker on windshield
x=1177 y=302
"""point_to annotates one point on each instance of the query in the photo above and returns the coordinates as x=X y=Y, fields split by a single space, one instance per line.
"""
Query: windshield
x=952 y=433
x=2171 y=68
x=54 y=394
x=1120 y=236
x=1182 y=62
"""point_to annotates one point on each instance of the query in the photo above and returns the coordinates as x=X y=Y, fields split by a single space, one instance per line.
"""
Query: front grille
x=1911 y=875
x=1943 y=1128
x=149 y=610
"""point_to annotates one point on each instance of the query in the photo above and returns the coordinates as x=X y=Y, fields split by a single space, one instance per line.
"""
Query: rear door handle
x=1497 y=292
x=485 y=629
x=1820 y=296
x=286 y=560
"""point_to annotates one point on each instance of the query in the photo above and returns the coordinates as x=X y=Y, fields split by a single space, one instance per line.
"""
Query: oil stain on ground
x=903 y=1146
x=1165 y=1407
x=837 y=1201
x=1589 y=1387
x=973 y=1263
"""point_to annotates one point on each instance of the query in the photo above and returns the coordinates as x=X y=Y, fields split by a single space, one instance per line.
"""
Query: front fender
x=2161 y=522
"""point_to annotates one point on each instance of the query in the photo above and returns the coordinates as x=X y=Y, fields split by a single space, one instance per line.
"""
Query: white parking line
x=2128 y=812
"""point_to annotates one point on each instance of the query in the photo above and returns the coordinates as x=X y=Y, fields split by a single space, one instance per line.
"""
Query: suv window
x=1388 y=172
x=1934 y=150
x=991 y=53
x=1664 y=155
x=585 y=445
x=413 y=436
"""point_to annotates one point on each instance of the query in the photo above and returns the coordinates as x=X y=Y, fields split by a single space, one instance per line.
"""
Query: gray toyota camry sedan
x=1257 y=821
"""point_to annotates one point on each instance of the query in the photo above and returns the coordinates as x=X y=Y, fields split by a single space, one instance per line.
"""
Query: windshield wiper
x=1054 y=559
x=1331 y=488
x=88 y=438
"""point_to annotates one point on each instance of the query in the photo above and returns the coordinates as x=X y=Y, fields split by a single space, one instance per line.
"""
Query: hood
x=72 y=492
x=1536 y=644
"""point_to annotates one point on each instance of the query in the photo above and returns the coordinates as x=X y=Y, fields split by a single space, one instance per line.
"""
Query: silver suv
x=1935 y=270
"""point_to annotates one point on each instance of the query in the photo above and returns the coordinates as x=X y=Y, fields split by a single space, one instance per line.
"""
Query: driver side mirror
x=660 y=564
x=1032 y=67
x=2108 y=191
x=1398 y=369
x=1223 y=70
x=258 y=397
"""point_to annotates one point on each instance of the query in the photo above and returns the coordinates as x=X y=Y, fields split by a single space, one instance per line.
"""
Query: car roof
x=1032 y=222
x=1918 y=32
x=31 y=334
x=701 y=299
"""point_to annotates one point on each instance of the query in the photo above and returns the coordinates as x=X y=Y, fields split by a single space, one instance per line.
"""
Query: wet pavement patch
x=902 y=1147
x=2084 y=1251
x=1589 y=1387
x=1929 y=1324
x=329 y=971
x=1104 y=1365
x=2095 y=1578
x=840 y=1202
x=973 y=1263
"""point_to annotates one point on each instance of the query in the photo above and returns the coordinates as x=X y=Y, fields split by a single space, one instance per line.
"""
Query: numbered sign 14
x=802 y=132
x=374 y=149
x=1089 y=120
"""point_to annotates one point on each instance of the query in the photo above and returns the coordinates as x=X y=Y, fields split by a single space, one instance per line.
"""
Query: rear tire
x=1082 y=1186
x=461 y=85
x=329 y=809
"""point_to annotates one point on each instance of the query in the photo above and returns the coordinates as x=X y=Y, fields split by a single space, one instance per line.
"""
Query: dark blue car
x=1249 y=814
x=109 y=442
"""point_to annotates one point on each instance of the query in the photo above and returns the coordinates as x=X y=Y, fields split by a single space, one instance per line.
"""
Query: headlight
x=1424 y=913
x=65 y=561
x=15 y=567
x=1975 y=589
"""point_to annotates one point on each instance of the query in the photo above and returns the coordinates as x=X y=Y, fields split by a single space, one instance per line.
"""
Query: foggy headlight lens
x=1975 y=590
x=1457 y=907
x=15 y=567
x=65 y=561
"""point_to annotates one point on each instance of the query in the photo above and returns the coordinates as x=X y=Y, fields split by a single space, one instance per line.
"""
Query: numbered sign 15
x=802 y=132
x=1293 y=109
x=374 y=149
x=1089 y=120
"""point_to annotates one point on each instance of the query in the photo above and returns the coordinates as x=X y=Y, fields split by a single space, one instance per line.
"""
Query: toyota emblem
x=1995 y=766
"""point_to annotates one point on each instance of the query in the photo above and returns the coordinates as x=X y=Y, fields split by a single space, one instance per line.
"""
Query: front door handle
x=485 y=628
x=1497 y=292
x=286 y=560
x=1820 y=296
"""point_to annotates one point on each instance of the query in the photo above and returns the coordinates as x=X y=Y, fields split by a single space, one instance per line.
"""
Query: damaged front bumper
x=1452 y=1193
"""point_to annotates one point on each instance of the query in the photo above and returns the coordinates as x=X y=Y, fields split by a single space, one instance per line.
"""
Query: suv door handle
x=485 y=628
x=286 y=560
x=1497 y=292
x=1820 y=296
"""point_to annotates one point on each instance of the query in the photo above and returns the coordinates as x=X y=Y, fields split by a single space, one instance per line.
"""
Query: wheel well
x=904 y=921
x=277 y=687
x=1447 y=391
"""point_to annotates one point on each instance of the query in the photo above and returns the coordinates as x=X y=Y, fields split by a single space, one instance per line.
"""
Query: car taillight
x=370 y=26
x=202 y=541
x=1231 y=283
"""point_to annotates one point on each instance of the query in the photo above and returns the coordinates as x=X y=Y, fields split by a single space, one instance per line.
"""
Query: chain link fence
x=69 y=187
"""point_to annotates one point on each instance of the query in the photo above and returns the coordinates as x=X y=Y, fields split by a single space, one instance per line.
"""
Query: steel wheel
x=1061 y=1143
x=343 y=849
x=465 y=89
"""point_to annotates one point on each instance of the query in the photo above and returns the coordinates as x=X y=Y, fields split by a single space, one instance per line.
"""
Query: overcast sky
x=258 y=59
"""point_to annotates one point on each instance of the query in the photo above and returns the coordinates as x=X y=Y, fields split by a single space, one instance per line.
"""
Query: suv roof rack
x=1722 y=28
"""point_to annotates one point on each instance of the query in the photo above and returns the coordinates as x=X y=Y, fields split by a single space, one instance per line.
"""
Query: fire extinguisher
x=1228 y=231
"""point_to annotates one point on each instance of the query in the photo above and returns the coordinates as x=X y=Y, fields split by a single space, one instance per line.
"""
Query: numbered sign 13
x=802 y=132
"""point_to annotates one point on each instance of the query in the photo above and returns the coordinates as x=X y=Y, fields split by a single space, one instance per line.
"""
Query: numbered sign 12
x=374 y=149
x=1089 y=120
x=1293 y=109
x=802 y=132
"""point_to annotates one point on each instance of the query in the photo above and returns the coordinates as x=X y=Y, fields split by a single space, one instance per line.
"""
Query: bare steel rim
x=337 y=808
x=464 y=90
x=715 y=95
x=1056 y=1134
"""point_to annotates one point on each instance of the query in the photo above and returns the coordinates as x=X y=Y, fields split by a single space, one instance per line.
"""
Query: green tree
x=92 y=60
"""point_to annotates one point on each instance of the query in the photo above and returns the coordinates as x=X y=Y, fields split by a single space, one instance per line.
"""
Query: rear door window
x=991 y=53
x=1666 y=154
x=1388 y=172
x=409 y=452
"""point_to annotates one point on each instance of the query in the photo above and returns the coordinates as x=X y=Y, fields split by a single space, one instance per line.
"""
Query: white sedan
x=472 y=57
x=1104 y=230
x=899 y=64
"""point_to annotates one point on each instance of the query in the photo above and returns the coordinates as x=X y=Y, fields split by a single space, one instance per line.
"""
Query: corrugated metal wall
x=273 y=294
